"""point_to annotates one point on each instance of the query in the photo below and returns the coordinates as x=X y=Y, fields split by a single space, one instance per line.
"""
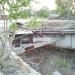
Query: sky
x=44 y=3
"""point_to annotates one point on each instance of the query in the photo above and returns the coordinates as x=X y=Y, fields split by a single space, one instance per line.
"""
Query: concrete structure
x=68 y=41
x=65 y=35
x=22 y=37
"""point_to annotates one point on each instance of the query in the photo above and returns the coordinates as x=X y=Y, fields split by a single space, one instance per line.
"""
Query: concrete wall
x=68 y=41
x=25 y=69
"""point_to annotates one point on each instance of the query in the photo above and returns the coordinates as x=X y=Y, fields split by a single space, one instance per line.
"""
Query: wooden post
x=71 y=40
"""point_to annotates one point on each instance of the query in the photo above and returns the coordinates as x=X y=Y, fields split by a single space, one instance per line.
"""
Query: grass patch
x=62 y=63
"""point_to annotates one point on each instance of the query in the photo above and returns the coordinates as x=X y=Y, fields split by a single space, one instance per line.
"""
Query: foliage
x=65 y=7
x=34 y=23
x=16 y=9
x=13 y=27
x=61 y=10
x=60 y=7
x=44 y=12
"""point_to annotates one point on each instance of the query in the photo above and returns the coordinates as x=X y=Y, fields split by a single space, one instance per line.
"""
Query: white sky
x=44 y=3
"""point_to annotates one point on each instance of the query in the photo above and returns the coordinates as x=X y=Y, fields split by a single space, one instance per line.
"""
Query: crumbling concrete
x=16 y=66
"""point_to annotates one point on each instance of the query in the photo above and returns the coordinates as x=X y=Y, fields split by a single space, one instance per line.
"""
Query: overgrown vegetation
x=13 y=27
x=14 y=9
x=62 y=63
x=34 y=23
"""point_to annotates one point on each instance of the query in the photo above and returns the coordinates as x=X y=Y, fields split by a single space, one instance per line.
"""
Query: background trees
x=44 y=12
x=65 y=7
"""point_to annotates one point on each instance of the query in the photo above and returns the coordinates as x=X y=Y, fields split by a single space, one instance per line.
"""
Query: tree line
x=65 y=7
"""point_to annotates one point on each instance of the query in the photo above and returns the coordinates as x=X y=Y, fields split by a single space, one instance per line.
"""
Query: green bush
x=34 y=23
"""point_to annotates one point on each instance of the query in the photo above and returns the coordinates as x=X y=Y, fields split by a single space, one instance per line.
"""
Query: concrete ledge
x=26 y=69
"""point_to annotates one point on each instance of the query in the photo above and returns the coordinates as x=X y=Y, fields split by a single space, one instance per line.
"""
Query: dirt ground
x=46 y=60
